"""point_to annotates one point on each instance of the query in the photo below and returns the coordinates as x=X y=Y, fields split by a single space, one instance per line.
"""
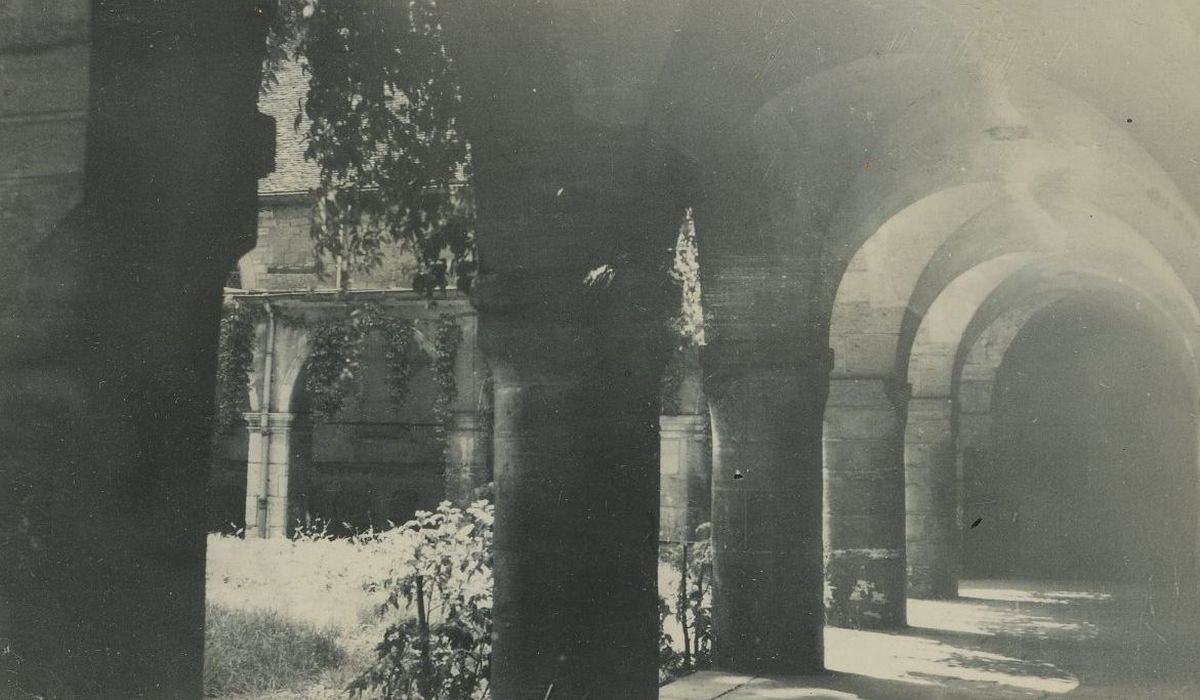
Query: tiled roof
x=292 y=172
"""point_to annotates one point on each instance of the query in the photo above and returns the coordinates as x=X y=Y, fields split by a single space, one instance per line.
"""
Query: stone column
x=576 y=474
x=972 y=443
x=466 y=458
x=109 y=316
x=289 y=455
x=973 y=436
x=576 y=220
x=766 y=409
x=931 y=499
x=469 y=432
x=685 y=464
x=864 y=483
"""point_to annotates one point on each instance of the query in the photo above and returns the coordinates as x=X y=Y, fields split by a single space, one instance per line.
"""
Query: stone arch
x=945 y=421
x=283 y=437
x=373 y=447
x=1009 y=308
x=1161 y=335
x=948 y=267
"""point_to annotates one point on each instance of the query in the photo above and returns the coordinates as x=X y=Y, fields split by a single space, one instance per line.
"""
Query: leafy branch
x=440 y=594
x=381 y=110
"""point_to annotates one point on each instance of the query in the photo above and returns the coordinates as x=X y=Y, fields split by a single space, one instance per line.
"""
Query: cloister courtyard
x=548 y=350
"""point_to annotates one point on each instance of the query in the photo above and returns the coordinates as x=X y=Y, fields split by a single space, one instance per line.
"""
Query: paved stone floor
x=1000 y=639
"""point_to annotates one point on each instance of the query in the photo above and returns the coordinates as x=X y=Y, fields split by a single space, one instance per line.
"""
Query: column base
x=860 y=587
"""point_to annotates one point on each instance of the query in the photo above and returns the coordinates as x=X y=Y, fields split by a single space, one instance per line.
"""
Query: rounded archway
x=378 y=458
x=1091 y=472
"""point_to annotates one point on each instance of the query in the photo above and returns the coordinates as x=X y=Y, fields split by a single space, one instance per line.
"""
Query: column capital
x=465 y=419
x=681 y=426
x=617 y=288
x=546 y=334
x=730 y=360
x=851 y=391
x=277 y=421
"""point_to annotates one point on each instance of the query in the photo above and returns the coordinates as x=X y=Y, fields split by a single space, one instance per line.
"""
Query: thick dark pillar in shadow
x=107 y=366
x=766 y=374
x=576 y=472
x=577 y=352
x=578 y=211
x=766 y=405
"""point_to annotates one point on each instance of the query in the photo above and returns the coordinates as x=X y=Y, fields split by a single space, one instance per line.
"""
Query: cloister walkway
x=1001 y=639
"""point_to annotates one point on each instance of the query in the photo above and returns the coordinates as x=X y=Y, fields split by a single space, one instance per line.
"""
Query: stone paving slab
x=710 y=685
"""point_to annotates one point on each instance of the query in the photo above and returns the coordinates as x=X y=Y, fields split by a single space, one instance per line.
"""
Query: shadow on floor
x=999 y=639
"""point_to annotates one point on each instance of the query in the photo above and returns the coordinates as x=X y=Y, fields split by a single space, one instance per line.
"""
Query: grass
x=289 y=620
x=252 y=652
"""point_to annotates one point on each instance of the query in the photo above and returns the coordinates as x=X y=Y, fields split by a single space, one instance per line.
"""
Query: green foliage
x=381 y=106
x=335 y=354
x=333 y=362
x=283 y=35
x=399 y=347
x=439 y=646
x=688 y=323
x=447 y=340
x=691 y=608
x=260 y=651
x=437 y=643
x=235 y=357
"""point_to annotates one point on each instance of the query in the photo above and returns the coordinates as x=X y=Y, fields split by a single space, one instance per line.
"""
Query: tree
x=381 y=111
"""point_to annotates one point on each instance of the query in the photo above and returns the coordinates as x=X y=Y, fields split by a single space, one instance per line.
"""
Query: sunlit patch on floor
x=1002 y=639
x=1035 y=593
x=970 y=617
x=779 y=690
x=915 y=659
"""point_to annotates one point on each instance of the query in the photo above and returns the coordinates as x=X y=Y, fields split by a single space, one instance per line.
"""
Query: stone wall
x=372 y=462
x=284 y=259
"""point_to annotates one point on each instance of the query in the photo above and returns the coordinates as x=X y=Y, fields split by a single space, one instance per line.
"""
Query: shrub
x=690 y=606
x=439 y=593
x=261 y=651
x=439 y=646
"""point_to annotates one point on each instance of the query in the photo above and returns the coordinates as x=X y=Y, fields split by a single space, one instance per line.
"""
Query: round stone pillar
x=576 y=478
x=288 y=451
x=931 y=499
x=466 y=457
x=972 y=437
x=109 y=318
x=766 y=406
x=864 y=498
x=685 y=463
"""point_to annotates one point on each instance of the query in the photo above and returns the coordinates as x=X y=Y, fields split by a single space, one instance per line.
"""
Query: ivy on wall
x=674 y=375
x=235 y=355
x=447 y=340
x=335 y=357
x=334 y=366
x=399 y=339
